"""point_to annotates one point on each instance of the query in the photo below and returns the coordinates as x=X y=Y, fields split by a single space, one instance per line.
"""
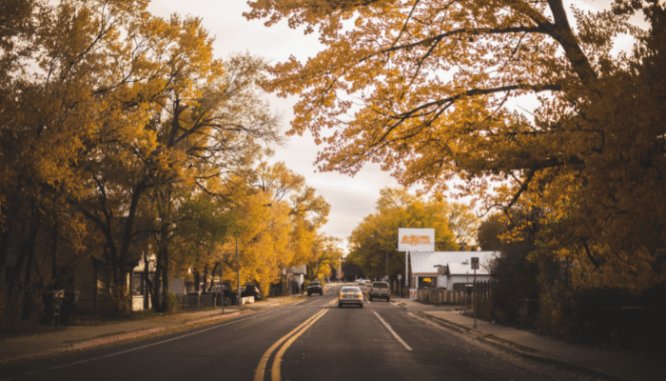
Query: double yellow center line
x=289 y=338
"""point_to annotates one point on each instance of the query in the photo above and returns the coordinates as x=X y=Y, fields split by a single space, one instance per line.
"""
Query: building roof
x=302 y=269
x=466 y=269
x=429 y=262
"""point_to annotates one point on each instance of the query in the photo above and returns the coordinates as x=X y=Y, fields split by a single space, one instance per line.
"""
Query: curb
x=514 y=348
x=121 y=337
x=136 y=334
x=126 y=336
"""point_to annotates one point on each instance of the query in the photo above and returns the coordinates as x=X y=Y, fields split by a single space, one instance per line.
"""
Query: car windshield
x=380 y=285
x=351 y=289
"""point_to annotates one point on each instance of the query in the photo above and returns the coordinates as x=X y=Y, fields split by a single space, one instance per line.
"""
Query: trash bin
x=53 y=301
x=68 y=306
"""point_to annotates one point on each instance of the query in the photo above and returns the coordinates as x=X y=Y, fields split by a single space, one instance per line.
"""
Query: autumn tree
x=51 y=57
x=212 y=129
x=201 y=119
x=116 y=117
x=325 y=254
x=308 y=212
x=514 y=274
x=377 y=235
x=429 y=88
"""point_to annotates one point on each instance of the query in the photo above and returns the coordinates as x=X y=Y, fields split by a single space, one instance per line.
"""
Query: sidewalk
x=85 y=336
x=618 y=365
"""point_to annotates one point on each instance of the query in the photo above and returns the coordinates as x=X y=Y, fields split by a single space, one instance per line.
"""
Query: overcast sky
x=351 y=199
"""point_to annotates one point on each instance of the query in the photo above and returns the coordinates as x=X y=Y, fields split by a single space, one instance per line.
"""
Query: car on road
x=379 y=290
x=314 y=287
x=350 y=295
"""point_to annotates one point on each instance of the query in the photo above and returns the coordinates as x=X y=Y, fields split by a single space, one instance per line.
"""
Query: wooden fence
x=461 y=296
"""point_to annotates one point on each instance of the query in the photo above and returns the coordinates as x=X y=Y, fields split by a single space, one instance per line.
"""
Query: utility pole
x=238 y=296
x=475 y=266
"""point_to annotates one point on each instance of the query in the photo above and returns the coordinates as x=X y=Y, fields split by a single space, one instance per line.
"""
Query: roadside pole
x=222 y=289
x=238 y=297
x=400 y=285
x=406 y=270
x=475 y=265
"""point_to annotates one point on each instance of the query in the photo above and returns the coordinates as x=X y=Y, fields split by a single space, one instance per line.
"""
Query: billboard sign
x=414 y=240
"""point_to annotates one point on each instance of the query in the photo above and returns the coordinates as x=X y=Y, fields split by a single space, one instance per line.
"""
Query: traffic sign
x=475 y=263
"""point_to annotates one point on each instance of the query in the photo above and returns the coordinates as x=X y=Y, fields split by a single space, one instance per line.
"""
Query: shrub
x=605 y=316
x=171 y=301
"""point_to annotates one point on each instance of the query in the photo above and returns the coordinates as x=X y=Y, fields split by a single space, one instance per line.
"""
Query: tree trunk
x=157 y=306
x=212 y=274
x=54 y=255
x=146 y=272
x=127 y=236
x=205 y=277
x=165 y=283
x=10 y=216
x=31 y=243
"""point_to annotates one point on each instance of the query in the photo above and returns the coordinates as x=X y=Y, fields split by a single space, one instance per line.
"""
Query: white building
x=426 y=265
x=462 y=273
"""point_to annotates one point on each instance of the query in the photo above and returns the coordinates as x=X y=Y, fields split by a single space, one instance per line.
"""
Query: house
x=462 y=274
x=296 y=277
x=426 y=266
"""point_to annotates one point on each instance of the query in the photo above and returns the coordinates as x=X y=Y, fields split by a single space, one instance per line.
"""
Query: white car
x=350 y=295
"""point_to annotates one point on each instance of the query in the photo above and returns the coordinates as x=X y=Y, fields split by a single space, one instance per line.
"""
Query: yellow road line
x=275 y=374
x=259 y=374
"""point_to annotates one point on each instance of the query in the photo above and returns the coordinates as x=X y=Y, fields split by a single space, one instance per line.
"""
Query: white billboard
x=410 y=239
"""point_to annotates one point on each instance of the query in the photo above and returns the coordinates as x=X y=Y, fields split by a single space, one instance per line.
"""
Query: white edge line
x=393 y=332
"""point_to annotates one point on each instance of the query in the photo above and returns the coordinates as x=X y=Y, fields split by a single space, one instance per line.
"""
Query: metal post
x=387 y=276
x=144 y=282
x=222 y=287
x=238 y=297
x=406 y=270
x=474 y=296
x=400 y=285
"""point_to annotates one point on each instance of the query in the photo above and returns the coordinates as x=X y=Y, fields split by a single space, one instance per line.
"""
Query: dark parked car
x=229 y=295
x=250 y=290
x=314 y=287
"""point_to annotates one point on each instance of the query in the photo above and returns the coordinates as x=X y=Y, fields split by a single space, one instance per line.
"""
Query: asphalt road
x=309 y=340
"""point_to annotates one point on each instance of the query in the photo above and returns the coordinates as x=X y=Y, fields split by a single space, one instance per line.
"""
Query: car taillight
x=342 y=296
x=360 y=296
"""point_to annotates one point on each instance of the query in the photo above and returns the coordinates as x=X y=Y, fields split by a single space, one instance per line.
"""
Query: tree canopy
x=376 y=237
x=122 y=134
x=433 y=90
